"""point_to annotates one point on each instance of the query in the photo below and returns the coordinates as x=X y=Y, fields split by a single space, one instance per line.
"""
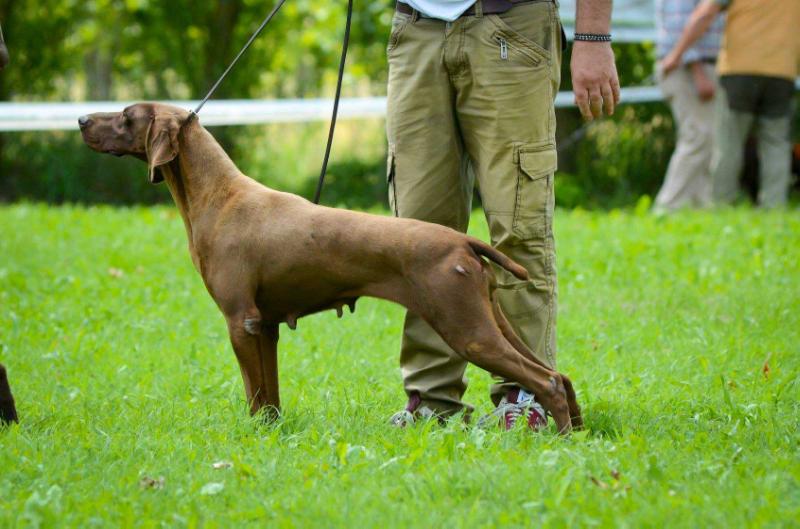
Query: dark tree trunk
x=99 y=66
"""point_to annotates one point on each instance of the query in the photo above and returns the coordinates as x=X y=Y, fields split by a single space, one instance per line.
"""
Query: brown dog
x=268 y=257
x=8 y=412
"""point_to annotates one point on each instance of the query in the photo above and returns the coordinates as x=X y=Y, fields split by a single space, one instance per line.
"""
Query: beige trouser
x=688 y=179
x=774 y=154
x=473 y=100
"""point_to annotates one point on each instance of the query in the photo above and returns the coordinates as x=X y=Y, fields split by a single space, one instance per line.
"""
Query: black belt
x=490 y=7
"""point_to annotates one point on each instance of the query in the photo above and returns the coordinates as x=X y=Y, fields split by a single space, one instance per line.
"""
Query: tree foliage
x=175 y=49
x=148 y=49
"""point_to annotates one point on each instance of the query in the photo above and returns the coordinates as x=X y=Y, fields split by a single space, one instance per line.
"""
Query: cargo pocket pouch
x=533 y=208
x=390 y=181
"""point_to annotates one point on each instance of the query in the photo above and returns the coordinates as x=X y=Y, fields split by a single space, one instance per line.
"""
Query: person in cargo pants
x=471 y=97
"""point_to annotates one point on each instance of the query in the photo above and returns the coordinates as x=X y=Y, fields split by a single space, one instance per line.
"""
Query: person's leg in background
x=774 y=161
x=688 y=179
x=731 y=129
x=774 y=143
x=427 y=181
x=507 y=72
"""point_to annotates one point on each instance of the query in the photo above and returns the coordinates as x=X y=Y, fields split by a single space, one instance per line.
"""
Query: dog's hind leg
x=522 y=347
x=458 y=307
x=519 y=345
x=485 y=346
x=472 y=332
x=256 y=346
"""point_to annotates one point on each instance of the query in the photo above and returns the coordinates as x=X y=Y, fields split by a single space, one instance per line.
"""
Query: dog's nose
x=83 y=121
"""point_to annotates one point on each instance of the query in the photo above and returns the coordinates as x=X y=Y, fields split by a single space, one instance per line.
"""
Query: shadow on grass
x=287 y=425
x=604 y=419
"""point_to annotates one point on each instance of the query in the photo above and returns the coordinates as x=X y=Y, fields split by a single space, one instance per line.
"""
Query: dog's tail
x=481 y=248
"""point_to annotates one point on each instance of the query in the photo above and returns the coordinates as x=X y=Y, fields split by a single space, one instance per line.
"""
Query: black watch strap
x=593 y=37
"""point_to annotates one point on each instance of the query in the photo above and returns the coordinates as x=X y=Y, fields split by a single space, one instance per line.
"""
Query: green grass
x=122 y=371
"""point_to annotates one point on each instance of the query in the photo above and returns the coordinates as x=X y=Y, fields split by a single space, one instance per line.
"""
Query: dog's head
x=148 y=131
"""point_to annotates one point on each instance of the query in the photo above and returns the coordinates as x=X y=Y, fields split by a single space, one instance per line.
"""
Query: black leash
x=193 y=113
x=335 y=101
x=253 y=37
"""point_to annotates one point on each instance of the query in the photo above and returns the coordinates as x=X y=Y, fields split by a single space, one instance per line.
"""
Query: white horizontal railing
x=18 y=116
x=64 y=116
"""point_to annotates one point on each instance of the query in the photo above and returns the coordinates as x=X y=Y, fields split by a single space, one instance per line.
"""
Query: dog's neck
x=199 y=180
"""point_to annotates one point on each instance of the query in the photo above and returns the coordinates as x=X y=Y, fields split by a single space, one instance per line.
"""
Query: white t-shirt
x=448 y=10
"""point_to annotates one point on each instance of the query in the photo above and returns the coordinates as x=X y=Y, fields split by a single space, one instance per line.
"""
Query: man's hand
x=670 y=63
x=704 y=86
x=594 y=78
x=699 y=21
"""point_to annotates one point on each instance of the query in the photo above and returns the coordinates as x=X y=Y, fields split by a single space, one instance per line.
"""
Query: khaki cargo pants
x=474 y=100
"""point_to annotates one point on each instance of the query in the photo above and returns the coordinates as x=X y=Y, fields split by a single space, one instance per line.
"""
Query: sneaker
x=517 y=403
x=413 y=412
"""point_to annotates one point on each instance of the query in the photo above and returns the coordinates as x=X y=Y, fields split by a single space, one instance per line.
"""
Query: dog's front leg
x=256 y=348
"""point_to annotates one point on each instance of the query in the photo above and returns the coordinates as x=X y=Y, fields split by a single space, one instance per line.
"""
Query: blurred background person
x=689 y=89
x=758 y=64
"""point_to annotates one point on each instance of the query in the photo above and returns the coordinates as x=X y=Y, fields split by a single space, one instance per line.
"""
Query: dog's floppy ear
x=161 y=144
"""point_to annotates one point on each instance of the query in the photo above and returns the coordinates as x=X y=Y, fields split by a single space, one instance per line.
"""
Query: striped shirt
x=671 y=18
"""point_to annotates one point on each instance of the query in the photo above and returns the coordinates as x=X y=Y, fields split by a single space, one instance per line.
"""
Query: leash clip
x=190 y=118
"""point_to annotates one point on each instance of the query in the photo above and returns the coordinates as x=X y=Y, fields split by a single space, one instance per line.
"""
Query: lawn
x=682 y=335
